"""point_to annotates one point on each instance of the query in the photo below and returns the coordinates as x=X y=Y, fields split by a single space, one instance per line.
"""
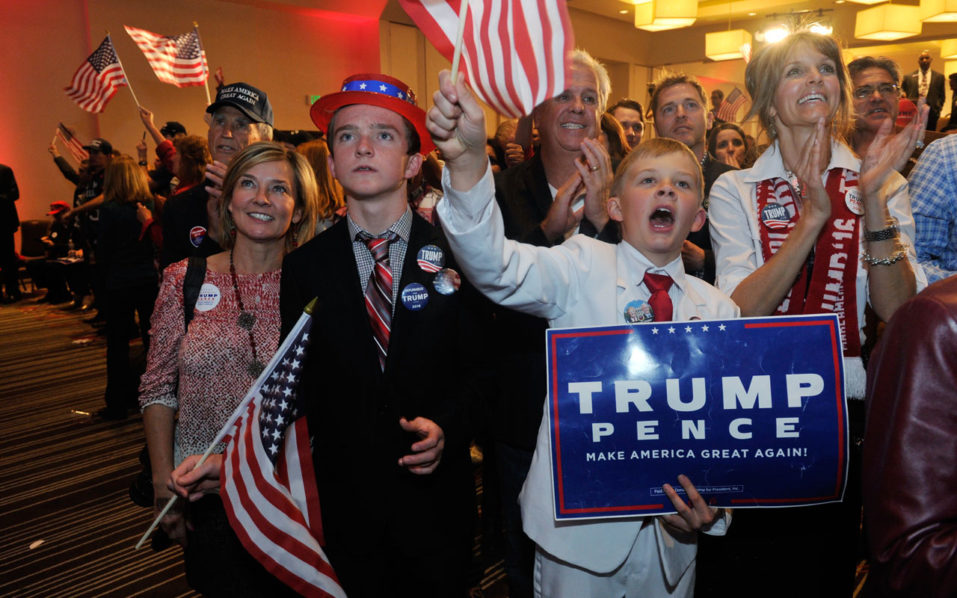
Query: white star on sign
x=687 y=328
x=721 y=327
x=654 y=331
x=704 y=328
x=671 y=329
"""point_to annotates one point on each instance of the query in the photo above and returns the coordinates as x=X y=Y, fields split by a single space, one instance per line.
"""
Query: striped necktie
x=660 y=302
x=378 y=296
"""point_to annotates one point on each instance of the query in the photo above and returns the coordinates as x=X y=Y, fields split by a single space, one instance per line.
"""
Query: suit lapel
x=421 y=234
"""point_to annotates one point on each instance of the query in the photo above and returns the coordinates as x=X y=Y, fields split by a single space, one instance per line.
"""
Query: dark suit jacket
x=935 y=93
x=523 y=195
x=369 y=503
x=181 y=214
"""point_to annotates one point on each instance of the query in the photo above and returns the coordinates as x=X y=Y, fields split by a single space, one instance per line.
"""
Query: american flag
x=514 y=50
x=95 y=82
x=269 y=486
x=729 y=108
x=176 y=59
x=72 y=144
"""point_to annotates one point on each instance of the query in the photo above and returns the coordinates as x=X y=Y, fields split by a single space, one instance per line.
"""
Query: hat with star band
x=374 y=90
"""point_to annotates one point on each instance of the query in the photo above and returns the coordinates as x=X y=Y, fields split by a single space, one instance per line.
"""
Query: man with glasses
x=875 y=93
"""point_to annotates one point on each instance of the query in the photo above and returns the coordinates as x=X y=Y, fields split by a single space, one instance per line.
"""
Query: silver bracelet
x=885 y=234
x=900 y=254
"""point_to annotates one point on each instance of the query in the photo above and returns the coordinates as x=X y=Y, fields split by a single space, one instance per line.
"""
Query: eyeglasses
x=885 y=89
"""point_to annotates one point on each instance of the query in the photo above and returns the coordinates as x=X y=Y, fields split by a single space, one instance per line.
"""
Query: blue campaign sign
x=751 y=410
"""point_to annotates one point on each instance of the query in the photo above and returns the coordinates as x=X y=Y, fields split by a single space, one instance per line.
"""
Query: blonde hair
x=763 y=75
x=124 y=181
x=330 y=191
x=656 y=148
x=305 y=193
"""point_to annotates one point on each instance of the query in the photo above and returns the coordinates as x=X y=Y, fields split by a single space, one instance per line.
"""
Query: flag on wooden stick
x=97 y=79
x=176 y=59
x=514 y=50
x=71 y=143
x=269 y=486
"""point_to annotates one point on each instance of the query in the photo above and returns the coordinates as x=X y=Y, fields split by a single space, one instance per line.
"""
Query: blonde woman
x=196 y=376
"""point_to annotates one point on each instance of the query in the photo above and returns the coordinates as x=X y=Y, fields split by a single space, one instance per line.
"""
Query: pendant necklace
x=246 y=321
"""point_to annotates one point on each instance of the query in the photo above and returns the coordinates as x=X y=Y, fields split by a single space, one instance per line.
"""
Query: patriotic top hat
x=374 y=90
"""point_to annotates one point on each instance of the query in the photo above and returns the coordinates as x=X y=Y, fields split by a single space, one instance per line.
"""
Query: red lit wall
x=285 y=49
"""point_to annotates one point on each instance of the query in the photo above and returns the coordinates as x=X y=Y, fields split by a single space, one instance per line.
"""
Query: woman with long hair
x=728 y=143
x=331 y=202
x=125 y=255
x=809 y=229
x=197 y=374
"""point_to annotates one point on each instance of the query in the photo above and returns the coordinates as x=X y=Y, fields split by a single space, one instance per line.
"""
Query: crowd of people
x=427 y=243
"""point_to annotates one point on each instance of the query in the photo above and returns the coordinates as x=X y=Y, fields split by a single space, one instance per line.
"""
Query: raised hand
x=561 y=218
x=594 y=167
x=890 y=152
x=457 y=124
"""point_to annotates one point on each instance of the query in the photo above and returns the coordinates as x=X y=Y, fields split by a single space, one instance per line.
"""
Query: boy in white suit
x=656 y=196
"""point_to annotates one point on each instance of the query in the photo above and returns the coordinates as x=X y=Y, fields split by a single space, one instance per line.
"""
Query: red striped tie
x=379 y=292
x=659 y=301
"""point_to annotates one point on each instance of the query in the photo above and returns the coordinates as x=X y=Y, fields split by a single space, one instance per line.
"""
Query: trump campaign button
x=447 y=281
x=431 y=258
x=209 y=297
x=196 y=235
x=775 y=216
x=414 y=296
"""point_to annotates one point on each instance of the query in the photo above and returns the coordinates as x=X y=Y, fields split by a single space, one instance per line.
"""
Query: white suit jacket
x=582 y=282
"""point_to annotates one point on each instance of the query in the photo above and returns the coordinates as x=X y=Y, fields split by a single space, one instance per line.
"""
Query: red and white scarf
x=831 y=287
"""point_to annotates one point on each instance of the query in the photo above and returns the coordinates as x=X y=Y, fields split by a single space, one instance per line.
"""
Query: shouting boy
x=657 y=199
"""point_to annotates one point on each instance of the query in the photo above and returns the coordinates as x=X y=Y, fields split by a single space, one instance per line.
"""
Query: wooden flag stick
x=463 y=11
x=203 y=51
x=231 y=422
x=122 y=68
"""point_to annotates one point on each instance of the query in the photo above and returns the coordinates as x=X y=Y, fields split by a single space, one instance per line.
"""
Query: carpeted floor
x=67 y=525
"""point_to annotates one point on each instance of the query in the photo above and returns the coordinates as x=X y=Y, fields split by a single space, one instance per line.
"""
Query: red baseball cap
x=57 y=207
x=374 y=89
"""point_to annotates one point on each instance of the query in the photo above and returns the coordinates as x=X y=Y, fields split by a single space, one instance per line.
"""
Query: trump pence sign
x=751 y=410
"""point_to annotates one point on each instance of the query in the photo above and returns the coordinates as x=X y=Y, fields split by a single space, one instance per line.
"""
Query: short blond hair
x=656 y=148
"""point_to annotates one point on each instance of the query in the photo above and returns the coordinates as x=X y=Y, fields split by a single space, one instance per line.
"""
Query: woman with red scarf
x=812 y=228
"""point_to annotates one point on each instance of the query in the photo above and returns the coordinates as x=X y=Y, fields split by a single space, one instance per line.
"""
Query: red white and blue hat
x=374 y=89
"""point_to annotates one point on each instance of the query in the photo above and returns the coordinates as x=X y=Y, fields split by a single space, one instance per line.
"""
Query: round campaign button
x=196 y=235
x=414 y=296
x=853 y=201
x=431 y=258
x=447 y=281
x=775 y=216
x=209 y=297
x=638 y=311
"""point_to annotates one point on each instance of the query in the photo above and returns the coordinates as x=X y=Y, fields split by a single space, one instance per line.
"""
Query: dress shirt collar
x=770 y=164
x=632 y=265
x=401 y=227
